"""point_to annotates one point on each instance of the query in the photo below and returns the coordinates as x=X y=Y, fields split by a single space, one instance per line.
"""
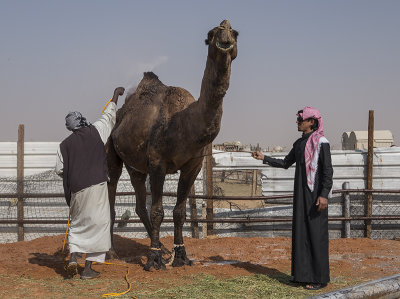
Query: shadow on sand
x=128 y=250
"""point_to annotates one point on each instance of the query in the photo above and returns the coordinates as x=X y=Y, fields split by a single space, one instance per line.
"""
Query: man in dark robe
x=81 y=162
x=312 y=187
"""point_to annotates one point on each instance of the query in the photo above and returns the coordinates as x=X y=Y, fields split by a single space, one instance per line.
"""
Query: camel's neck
x=213 y=88
x=215 y=82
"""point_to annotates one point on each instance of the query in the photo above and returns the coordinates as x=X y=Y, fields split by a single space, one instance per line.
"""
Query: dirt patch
x=351 y=259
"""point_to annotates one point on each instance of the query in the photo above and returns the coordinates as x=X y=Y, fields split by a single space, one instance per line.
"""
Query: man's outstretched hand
x=119 y=91
x=257 y=155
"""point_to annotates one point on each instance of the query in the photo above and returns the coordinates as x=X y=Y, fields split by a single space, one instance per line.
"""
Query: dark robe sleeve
x=67 y=189
x=281 y=163
x=326 y=169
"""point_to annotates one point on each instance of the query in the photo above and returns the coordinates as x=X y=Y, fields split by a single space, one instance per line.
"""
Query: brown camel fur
x=162 y=129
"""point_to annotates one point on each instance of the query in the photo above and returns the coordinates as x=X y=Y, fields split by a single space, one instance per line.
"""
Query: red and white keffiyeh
x=313 y=145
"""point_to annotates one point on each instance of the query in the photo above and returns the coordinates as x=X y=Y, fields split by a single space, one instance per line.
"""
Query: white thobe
x=89 y=229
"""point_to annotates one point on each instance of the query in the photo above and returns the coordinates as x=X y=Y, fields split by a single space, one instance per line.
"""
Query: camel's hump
x=150 y=75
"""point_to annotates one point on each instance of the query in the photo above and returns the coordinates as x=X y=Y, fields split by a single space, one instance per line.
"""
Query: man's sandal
x=314 y=286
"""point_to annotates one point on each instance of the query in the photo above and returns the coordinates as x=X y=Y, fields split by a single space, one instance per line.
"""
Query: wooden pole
x=254 y=181
x=204 y=224
x=346 y=209
x=209 y=190
x=203 y=204
x=370 y=162
x=20 y=181
x=193 y=215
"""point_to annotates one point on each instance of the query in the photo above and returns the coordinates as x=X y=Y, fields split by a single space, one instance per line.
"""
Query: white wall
x=39 y=157
x=348 y=166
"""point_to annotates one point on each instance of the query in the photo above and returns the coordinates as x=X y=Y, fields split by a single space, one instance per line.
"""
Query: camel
x=162 y=129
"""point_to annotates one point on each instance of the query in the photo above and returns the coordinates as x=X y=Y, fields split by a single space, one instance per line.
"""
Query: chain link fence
x=52 y=207
x=383 y=204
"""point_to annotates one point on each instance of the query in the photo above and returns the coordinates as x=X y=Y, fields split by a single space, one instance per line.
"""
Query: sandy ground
x=350 y=259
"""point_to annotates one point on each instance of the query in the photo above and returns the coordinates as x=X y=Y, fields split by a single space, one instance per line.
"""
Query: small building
x=235 y=146
x=359 y=139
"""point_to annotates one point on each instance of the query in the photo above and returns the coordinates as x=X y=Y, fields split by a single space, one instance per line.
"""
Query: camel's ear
x=235 y=33
x=210 y=36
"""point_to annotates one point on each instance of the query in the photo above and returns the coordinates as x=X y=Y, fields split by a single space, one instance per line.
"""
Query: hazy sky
x=341 y=57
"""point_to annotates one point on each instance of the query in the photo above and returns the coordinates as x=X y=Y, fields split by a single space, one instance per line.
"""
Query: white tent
x=359 y=139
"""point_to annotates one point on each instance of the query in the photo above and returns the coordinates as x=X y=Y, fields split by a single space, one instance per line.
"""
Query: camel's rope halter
x=127 y=267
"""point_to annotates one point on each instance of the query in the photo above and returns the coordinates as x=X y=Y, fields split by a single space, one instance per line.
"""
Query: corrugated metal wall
x=349 y=166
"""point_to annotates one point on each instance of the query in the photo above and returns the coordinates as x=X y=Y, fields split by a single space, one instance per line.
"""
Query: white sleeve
x=59 y=163
x=106 y=122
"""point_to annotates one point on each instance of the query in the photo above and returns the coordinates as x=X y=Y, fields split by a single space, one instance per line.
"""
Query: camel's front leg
x=139 y=183
x=186 y=180
x=155 y=259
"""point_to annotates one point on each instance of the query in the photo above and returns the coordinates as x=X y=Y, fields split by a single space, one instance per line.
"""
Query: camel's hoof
x=112 y=255
x=180 y=258
x=155 y=261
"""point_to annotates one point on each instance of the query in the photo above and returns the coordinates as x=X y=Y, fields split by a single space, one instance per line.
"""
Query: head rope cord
x=127 y=267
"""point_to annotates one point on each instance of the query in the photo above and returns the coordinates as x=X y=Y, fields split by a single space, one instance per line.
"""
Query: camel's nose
x=225 y=32
x=225 y=24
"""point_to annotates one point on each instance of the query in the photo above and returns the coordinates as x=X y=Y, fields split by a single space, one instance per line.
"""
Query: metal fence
x=41 y=210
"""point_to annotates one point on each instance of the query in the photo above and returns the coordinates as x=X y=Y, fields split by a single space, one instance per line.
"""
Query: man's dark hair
x=314 y=127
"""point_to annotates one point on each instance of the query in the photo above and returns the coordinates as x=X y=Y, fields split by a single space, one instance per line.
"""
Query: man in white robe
x=81 y=162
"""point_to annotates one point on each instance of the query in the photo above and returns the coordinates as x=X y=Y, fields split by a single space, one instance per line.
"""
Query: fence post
x=209 y=190
x=254 y=182
x=193 y=214
x=204 y=216
x=346 y=209
x=370 y=162
x=20 y=181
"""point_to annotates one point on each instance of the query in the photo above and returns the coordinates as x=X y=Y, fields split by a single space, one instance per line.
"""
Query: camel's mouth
x=224 y=47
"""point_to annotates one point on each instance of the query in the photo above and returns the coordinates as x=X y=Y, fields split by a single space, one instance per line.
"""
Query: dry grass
x=197 y=287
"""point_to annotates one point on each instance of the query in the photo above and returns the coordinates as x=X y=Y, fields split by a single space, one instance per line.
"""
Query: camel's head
x=222 y=40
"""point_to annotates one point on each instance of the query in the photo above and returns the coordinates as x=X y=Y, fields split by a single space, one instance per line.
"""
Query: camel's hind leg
x=138 y=181
x=114 y=164
x=186 y=180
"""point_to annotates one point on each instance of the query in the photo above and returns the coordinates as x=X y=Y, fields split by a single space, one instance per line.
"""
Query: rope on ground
x=65 y=241
x=126 y=279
